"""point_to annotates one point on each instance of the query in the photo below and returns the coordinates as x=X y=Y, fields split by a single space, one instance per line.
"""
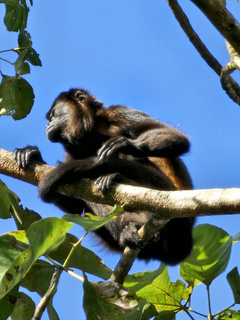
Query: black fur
x=116 y=144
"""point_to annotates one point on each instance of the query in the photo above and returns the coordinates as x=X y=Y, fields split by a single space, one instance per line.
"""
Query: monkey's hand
x=105 y=182
x=25 y=156
x=118 y=144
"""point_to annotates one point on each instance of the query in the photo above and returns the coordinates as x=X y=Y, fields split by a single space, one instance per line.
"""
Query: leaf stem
x=210 y=317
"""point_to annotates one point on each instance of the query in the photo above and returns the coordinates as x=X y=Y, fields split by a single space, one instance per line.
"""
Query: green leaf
x=109 y=300
x=21 y=67
x=16 y=14
x=24 y=217
x=5 y=201
x=236 y=238
x=43 y=235
x=81 y=258
x=16 y=97
x=10 y=248
x=19 y=235
x=166 y=315
x=39 y=277
x=156 y=287
x=229 y=314
x=46 y=234
x=25 y=43
x=24 y=309
x=91 y=222
x=209 y=257
x=233 y=279
x=7 y=303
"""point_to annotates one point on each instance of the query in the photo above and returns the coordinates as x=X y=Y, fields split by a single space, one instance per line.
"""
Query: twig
x=48 y=295
x=193 y=36
x=229 y=84
x=129 y=255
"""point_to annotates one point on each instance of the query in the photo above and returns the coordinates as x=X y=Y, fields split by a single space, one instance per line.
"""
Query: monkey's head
x=71 y=116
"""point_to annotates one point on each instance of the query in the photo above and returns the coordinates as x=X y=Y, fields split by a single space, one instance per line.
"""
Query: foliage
x=16 y=93
x=31 y=255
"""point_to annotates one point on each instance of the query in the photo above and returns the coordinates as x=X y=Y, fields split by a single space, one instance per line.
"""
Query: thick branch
x=166 y=204
x=222 y=19
x=228 y=83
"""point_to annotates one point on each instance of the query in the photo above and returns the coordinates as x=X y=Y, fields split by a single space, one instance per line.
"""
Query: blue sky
x=132 y=53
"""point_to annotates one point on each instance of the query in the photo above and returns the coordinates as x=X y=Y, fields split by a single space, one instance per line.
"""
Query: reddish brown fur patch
x=175 y=170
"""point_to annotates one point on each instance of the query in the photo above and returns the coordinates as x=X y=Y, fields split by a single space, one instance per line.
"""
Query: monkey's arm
x=25 y=156
x=157 y=140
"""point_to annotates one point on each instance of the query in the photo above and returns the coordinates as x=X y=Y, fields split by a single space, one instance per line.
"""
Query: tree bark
x=165 y=204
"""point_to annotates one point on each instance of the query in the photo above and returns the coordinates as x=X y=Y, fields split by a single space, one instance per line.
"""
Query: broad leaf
x=91 y=222
x=16 y=97
x=209 y=257
x=43 y=235
x=16 y=14
x=156 y=287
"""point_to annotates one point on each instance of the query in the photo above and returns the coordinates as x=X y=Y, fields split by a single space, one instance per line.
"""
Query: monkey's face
x=58 y=119
x=72 y=116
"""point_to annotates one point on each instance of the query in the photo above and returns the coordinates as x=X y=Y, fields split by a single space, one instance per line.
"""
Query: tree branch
x=228 y=84
x=165 y=204
x=222 y=19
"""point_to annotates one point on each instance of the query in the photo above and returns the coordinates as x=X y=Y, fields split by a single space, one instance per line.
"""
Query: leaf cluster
x=31 y=255
x=17 y=96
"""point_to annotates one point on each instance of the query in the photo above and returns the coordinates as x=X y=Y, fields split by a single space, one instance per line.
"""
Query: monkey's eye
x=79 y=96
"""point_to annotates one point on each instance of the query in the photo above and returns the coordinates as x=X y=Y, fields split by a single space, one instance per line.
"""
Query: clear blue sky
x=132 y=53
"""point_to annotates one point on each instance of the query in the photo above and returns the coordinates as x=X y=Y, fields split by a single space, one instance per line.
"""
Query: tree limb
x=228 y=83
x=222 y=19
x=165 y=204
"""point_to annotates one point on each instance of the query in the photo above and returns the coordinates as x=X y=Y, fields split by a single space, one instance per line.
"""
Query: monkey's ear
x=80 y=95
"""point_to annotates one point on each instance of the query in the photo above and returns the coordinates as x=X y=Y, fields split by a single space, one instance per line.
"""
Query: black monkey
x=116 y=144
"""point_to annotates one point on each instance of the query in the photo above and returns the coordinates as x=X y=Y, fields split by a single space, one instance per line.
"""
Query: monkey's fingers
x=26 y=155
x=105 y=182
x=112 y=147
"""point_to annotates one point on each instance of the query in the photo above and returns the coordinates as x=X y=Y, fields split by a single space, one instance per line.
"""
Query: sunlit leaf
x=156 y=287
x=19 y=235
x=91 y=222
x=229 y=314
x=209 y=257
x=43 y=235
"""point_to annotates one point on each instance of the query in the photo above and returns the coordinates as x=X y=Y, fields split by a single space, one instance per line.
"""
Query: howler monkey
x=116 y=144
